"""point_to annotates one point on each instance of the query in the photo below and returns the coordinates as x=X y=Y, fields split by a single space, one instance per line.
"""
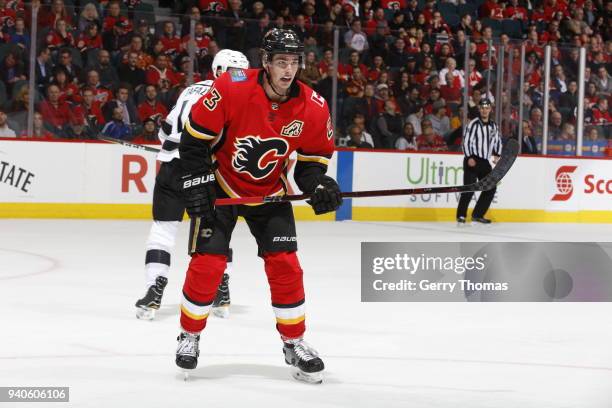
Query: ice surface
x=68 y=287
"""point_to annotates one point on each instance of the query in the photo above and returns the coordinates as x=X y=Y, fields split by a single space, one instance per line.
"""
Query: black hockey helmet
x=282 y=41
x=484 y=102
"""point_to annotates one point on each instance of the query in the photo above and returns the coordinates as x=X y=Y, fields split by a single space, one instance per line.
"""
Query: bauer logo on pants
x=284 y=239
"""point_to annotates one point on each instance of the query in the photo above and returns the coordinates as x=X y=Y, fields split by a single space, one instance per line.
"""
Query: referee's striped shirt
x=481 y=140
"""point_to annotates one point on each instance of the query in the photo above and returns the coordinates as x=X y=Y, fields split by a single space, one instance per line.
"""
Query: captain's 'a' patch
x=238 y=75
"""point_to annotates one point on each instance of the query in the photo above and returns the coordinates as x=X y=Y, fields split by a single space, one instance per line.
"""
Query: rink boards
x=99 y=180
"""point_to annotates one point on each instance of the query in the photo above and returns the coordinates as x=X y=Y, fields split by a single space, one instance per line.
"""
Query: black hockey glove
x=199 y=193
x=326 y=197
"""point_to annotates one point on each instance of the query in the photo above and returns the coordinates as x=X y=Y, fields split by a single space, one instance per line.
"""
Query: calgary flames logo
x=258 y=157
x=294 y=129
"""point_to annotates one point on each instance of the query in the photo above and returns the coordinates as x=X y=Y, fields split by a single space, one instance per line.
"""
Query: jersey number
x=212 y=99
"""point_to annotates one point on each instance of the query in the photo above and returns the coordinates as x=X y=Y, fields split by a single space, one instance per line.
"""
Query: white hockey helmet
x=226 y=59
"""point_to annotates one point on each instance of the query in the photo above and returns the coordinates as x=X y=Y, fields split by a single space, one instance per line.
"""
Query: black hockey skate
x=146 y=307
x=307 y=365
x=221 y=304
x=187 y=351
x=481 y=220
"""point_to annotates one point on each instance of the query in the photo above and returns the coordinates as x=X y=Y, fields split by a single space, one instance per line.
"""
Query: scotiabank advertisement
x=585 y=184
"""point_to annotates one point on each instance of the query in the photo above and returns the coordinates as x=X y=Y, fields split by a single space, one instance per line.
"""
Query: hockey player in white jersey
x=168 y=207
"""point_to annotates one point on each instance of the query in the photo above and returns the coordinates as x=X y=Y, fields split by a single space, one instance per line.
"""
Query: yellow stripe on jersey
x=193 y=316
x=291 y=321
x=317 y=159
x=197 y=134
x=194 y=237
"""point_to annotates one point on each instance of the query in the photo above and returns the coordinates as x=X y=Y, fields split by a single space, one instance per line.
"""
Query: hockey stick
x=504 y=164
x=128 y=144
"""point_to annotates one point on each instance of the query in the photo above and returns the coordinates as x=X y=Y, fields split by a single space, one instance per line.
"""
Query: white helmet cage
x=226 y=59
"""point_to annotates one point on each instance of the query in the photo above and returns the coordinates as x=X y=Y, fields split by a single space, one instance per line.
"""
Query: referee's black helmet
x=484 y=102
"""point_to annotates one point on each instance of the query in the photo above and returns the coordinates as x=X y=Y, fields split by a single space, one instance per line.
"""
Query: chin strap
x=272 y=86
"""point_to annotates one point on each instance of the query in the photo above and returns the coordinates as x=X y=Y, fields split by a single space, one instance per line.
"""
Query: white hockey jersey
x=170 y=132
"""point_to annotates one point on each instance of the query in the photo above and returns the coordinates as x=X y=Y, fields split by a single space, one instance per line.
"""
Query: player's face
x=283 y=69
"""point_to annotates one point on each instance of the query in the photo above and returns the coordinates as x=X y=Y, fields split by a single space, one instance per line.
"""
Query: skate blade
x=310 y=378
x=144 y=313
x=221 y=311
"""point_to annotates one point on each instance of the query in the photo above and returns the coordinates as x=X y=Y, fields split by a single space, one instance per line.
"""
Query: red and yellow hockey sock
x=199 y=290
x=287 y=290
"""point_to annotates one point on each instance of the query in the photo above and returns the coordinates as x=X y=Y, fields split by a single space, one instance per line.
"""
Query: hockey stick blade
x=128 y=144
x=509 y=153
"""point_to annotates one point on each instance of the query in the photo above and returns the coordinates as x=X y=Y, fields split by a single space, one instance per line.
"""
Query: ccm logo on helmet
x=199 y=180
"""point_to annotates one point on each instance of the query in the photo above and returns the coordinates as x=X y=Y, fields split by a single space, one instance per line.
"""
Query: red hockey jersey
x=252 y=136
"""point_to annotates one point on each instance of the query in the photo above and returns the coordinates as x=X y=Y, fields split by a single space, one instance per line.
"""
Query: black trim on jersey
x=285 y=172
x=327 y=156
x=289 y=306
x=195 y=153
x=169 y=145
x=294 y=91
x=197 y=303
x=166 y=128
x=200 y=128
x=221 y=141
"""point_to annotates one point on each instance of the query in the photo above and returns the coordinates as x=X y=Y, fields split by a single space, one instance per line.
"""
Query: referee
x=481 y=140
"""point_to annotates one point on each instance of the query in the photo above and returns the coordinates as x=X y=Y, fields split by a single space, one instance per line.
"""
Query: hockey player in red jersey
x=236 y=143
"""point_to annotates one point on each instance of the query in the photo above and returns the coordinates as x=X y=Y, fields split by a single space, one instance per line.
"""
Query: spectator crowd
x=117 y=67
